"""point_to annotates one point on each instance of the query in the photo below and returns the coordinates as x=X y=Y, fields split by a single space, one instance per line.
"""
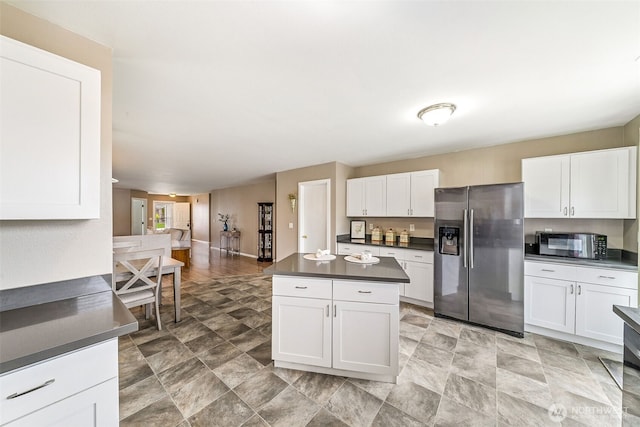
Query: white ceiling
x=212 y=94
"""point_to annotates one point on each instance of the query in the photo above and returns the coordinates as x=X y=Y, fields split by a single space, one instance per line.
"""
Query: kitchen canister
x=390 y=236
x=404 y=237
x=376 y=235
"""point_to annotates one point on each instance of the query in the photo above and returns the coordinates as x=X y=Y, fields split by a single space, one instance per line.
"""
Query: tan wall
x=241 y=203
x=121 y=212
x=287 y=182
x=33 y=252
x=200 y=218
x=122 y=208
x=631 y=136
x=502 y=163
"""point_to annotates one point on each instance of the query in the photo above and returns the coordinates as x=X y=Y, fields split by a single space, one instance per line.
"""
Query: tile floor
x=214 y=369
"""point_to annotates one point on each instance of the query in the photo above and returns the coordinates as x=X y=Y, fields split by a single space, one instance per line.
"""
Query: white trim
x=327 y=183
x=333 y=371
x=573 y=338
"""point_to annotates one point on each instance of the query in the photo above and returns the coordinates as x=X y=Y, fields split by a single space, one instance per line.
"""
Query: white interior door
x=138 y=216
x=182 y=216
x=314 y=215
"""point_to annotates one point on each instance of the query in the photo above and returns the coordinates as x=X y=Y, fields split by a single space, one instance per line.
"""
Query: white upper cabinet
x=423 y=184
x=367 y=196
x=405 y=194
x=49 y=135
x=594 y=184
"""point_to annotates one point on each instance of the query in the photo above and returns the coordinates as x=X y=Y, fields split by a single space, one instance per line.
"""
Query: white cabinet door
x=375 y=196
x=594 y=311
x=421 y=285
x=399 y=194
x=546 y=186
x=96 y=406
x=50 y=135
x=600 y=184
x=301 y=330
x=549 y=303
x=366 y=337
x=423 y=184
x=355 y=197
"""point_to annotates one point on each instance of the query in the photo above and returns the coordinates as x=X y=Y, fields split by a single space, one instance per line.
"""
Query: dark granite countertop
x=418 y=243
x=387 y=270
x=630 y=315
x=60 y=317
x=615 y=264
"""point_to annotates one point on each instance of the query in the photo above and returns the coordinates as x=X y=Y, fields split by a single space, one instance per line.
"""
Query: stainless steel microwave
x=573 y=245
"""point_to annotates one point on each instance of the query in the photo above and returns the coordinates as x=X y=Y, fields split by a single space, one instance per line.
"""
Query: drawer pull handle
x=327 y=310
x=364 y=292
x=550 y=271
x=418 y=256
x=14 y=395
x=606 y=277
x=301 y=287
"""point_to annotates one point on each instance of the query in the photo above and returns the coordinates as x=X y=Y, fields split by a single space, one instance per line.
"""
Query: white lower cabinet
x=419 y=267
x=349 y=249
x=79 y=388
x=302 y=330
x=577 y=301
x=354 y=333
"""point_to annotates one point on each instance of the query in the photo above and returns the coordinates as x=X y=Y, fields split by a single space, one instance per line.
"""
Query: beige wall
x=241 y=203
x=33 y=252
x=631 y=136
x=287 y=182
x=200 y=218
x=502 y=163
x=121 y=212
x=122 y=208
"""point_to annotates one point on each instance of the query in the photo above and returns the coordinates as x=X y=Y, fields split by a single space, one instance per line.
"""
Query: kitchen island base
x=337 y=372
x=337 y=318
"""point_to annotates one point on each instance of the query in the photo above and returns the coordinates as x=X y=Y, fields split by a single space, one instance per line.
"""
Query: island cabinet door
x=302 y=330
x=365 y=337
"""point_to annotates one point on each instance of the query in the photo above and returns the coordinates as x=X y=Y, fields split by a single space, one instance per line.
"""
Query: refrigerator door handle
x=465 y=221
x=471 y=238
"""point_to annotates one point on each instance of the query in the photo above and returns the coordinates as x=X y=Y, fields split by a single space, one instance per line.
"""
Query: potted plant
x=224 y=219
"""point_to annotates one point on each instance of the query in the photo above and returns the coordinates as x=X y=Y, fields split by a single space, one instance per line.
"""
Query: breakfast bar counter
x=337 y=317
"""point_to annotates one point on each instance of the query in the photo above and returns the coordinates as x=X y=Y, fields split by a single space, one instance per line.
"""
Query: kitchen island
x=337 y=317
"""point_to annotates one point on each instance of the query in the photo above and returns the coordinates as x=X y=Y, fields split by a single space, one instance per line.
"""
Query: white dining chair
x=136 y=279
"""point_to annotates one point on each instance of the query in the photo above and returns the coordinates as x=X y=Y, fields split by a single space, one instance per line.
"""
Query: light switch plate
x=412 y=227
x=291 y=225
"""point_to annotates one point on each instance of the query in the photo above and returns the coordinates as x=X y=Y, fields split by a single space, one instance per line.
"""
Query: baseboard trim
x=215 y=248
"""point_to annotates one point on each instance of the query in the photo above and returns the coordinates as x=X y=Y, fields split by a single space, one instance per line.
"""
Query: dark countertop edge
x=630 y=315
x=26 y=296
x=334 y=276
x=27 y=360
x=417 y=243
x=610 y=264
x=75 y=289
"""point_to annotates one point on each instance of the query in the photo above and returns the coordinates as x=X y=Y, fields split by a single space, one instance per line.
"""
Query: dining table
x=169 y=266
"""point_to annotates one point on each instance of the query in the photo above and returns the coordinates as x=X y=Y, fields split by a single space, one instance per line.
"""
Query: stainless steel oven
x=573 y=245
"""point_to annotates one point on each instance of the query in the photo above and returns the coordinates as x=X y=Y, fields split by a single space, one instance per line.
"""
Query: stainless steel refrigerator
x=479 y=255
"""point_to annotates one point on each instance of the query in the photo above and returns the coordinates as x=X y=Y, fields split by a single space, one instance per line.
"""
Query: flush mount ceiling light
x=437 y=114
x=172 y=194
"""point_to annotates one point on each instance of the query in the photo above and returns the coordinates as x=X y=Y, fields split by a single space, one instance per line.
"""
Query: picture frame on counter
x=358 y=229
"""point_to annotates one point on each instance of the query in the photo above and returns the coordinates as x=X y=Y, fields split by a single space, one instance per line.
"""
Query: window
x=162 y=215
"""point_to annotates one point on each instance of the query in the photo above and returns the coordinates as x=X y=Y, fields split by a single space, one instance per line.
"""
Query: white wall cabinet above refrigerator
x=593 y=184
x=49 y=135
x=409 y=194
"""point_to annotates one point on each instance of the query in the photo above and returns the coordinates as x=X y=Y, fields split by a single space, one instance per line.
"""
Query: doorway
x=314 y=215
x=138 y=216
